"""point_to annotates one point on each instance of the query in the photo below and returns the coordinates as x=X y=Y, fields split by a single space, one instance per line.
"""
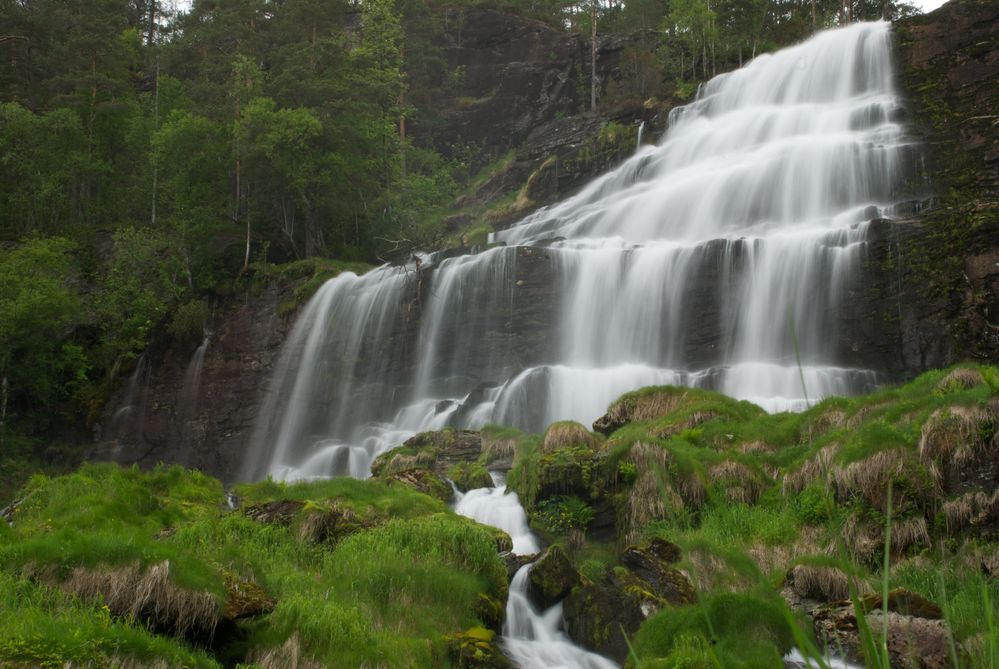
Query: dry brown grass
x=908 y=533
x=330 y=525
x=651 y=497
x=401 y=462
x=826 y=584
x=822 y=423
x=755 y=448
x=562 y=435
x=962 y=378
x=287 y=656
x=690 y=422
x=776 y=559
x=869 y=478
x=864 y=539
x=956 y=437
x=147 y=594
x=814 y=469
x=646 y=407
x=865 y=412
x=741 y=483
x=494 y=450
x=972 y=509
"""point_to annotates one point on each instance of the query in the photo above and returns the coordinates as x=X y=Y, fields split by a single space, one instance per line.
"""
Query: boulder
x=278 y=512
x=474 y=649
x=469 y=476
x=551 y=578
x=917 y=636
x=652 y=565
x=424 y=481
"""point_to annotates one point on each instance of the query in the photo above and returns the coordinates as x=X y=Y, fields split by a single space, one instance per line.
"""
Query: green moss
x=470 y=475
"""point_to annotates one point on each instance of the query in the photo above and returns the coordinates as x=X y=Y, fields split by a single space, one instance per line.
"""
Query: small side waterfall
x=641 y=130
x=128 y=418
x=719 y=258
x=187 y=403
x=531 y=638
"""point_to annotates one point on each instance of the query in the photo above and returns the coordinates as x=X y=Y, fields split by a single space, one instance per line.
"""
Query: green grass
x=44 y=628
x=385 y=595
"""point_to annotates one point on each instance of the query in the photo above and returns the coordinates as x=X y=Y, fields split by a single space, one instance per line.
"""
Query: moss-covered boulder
x=551 y=578
x=603 y=615
x=652 y=564
x=469 y=476
x=474 y=649
x=424 y=481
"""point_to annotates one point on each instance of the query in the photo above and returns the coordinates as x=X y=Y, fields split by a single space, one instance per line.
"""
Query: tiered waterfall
x=724 y=257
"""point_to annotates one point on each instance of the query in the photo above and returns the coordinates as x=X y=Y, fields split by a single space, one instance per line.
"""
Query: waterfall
x=124 y=421
x=641 y=131
x=531 y=638
x=187 y=401
x=719 y=258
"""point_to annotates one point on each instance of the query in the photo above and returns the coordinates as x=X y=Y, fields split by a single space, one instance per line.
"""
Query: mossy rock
x=474 y=649
x=603 y=615
x=491 y=611
x=425 y=481
x=278 y=512
x=245 y=598
x=469 y=476
x=651 y=564
x=330 y=525
x=551 y=578
x=904 y=602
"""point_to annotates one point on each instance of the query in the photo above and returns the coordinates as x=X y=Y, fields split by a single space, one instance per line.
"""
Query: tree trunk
x=4 y=393
x=593 y=55
x=156 y=126
x=246 y=256
x=814 y=21
x=151 y=37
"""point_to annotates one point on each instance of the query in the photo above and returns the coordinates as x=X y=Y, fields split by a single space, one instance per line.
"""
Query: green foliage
x=39 y=307
x=732 y=630
x=563 y=513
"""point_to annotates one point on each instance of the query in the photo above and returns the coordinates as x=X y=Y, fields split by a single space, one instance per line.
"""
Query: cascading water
x=531 y=638
x=188 y=400
x=720 y=258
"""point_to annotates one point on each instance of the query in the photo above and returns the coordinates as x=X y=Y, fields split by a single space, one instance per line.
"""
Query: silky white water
x=532 y=639
x=719 y=258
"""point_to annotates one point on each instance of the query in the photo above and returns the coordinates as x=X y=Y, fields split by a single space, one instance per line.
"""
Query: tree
x=39 y=308
x=42 y=161
x=191 y=152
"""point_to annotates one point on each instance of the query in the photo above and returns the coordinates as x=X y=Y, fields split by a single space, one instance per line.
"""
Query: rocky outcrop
x=917 y=636
x=603 y=615
x=948 y=278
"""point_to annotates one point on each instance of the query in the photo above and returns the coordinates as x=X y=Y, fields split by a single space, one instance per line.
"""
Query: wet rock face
x=210 y=431
x=949 y=275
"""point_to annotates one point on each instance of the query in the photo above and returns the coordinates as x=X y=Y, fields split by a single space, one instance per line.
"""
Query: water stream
x=532 y=639
x=718 y=258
